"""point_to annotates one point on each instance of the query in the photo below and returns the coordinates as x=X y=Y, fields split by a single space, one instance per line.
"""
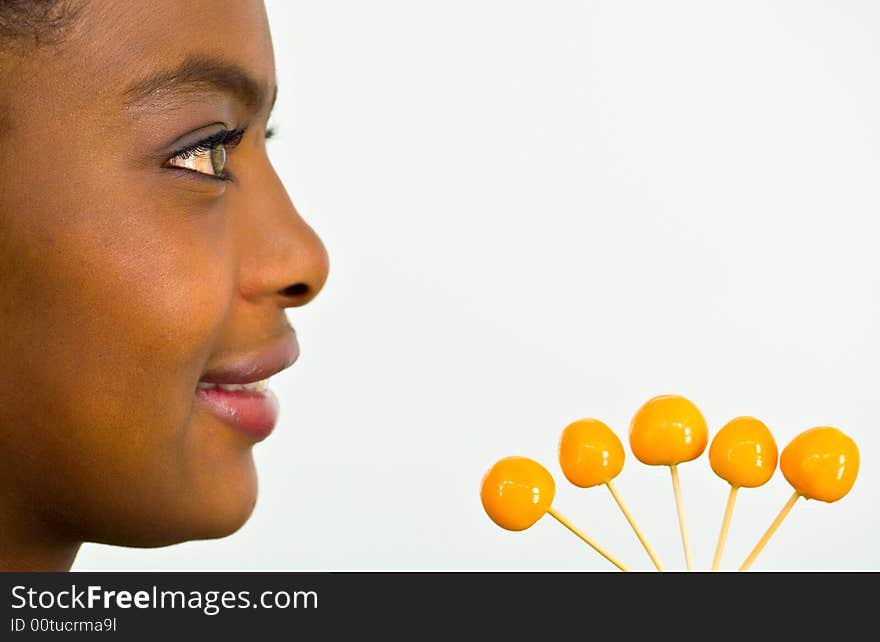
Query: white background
x=541 y=211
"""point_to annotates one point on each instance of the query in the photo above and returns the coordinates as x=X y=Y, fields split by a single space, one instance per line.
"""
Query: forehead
x=115 y=43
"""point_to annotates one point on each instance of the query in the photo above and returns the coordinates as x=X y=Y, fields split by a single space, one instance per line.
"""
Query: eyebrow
x=198 y=73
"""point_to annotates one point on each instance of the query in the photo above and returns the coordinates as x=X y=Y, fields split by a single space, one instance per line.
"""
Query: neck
x=33 y=556
x=28 y=543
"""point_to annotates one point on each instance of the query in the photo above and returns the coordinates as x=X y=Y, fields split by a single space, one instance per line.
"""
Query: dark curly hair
x=35 y=22
x=26 y=25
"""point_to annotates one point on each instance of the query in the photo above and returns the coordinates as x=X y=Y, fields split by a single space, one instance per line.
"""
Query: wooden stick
x=598 y=548
x=725 y=524
x=763 y=541
x=632 y=523
x=676 y=488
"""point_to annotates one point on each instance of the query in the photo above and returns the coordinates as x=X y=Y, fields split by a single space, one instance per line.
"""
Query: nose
x=281 y=256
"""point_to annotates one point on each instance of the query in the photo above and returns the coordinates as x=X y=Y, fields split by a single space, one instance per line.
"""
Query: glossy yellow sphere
x=821 y=463
x=667 y=430
x=744 y=453
x=590 y=453
x=516 y=492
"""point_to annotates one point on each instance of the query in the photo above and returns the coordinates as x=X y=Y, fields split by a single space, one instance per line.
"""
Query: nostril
x=297 y=289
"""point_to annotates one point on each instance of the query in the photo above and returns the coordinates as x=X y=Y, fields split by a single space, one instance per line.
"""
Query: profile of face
x=147 y=245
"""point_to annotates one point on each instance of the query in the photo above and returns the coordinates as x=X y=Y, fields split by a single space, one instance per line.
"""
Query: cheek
x=114 y=314
x=134 y=307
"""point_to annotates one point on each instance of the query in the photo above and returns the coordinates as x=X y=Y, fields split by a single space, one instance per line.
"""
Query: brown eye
x=210 y=161
x=218 y=159
x=209 y=155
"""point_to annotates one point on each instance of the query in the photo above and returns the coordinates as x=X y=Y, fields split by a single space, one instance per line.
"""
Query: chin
x=225 y=520
x=202 y=512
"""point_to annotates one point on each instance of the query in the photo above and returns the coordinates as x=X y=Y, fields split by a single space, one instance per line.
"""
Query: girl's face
x=129 y=273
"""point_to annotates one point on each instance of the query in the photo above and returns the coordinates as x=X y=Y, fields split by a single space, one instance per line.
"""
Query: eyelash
x=228 y=138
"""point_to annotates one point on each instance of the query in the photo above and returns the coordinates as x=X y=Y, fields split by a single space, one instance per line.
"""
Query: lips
x=253 y=410
x=252 y=413
x=258 y=365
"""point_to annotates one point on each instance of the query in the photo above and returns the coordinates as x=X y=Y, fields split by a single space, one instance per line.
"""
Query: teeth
x=256 y=386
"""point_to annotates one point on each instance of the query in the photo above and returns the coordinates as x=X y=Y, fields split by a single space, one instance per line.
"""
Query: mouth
x=256 y=386
x=237 y=392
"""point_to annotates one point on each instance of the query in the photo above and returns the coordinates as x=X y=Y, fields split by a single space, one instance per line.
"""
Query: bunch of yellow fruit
x=821 y=463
